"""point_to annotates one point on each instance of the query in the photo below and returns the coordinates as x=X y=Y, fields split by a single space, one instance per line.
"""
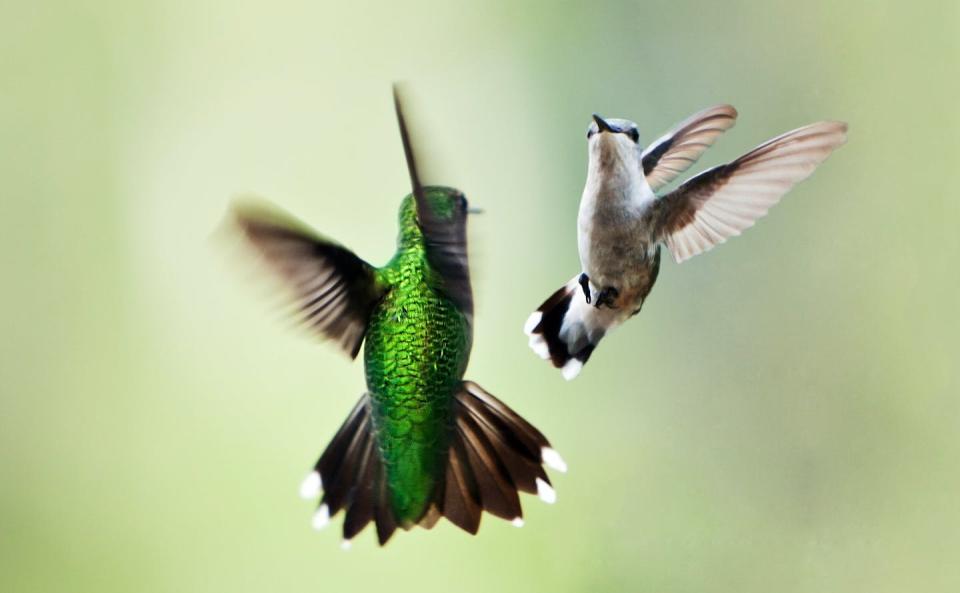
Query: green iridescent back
x=417 y=348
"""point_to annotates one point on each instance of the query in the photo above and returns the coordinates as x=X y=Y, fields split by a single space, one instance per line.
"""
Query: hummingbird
x=622 y=222
x=422 y=443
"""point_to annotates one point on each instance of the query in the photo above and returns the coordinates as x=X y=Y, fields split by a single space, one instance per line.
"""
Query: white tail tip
x=532 y=322
x=571 y=369
x=345 y=544
x=539 y=346
x=311 y=486
x=546 y=493
x=321 y=517
x=553 y=459
x=517 y=522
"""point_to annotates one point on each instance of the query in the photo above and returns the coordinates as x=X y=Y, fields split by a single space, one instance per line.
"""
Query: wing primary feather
x=445 y=238
x=331 y=289
x=723 y=201
x=674 y=152
x=407 y=148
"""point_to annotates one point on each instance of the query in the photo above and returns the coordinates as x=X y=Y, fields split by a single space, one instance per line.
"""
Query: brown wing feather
x=723 y=201
x=446 y=239
x=674 y=152
x=332 y=289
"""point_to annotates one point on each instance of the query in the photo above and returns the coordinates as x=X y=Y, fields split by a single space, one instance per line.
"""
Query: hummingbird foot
x=608 y=296
x=585 y=285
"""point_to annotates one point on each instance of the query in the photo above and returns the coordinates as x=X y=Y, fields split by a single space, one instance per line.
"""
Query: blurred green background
x=783 y=416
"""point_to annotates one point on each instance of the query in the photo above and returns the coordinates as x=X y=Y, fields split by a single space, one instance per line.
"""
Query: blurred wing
x=446 y=243
x=723 y=201
x=333 y=289
x=675 y=151
x=446 y=240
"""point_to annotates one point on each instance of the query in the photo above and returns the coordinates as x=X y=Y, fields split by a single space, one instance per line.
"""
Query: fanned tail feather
x=352 y=478
x=565 y=329
x=493 y=455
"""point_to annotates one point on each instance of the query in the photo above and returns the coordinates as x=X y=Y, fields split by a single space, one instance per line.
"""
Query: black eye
x=462 y=202
x=634 y=134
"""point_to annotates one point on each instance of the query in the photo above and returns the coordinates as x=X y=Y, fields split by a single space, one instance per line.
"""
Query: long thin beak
x=604 y=126
x=474 y=210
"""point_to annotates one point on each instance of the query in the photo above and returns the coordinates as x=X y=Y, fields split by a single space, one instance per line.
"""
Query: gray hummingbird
x=623 y=223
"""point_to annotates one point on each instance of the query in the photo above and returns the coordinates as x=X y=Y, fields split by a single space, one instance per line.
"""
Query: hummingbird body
x=421 y=443
x=622 y=223
x=417 y=348
x=614 y=249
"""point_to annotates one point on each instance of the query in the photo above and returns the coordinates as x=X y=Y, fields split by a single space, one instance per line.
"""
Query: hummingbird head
x=612 y=140
x=446 y=204
x=600 y=126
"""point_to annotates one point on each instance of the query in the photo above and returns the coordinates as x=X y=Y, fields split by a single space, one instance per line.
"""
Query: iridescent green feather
x=417 y=347
x=422 y=442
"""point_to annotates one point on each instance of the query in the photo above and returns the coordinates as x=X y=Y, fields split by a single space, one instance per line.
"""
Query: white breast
x=615 y=197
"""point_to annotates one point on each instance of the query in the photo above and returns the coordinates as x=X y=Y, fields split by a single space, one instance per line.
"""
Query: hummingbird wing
x=445 y=237
x=332 y=289
x=674 y=152
x=723 y=201
x=446 y=246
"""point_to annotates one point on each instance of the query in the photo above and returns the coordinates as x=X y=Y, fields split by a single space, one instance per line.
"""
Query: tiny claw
x=585 y=285
x=608 y=296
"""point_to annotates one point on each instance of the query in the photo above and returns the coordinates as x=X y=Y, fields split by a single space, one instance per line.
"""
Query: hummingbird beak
x=604 y=126
x=474 y=210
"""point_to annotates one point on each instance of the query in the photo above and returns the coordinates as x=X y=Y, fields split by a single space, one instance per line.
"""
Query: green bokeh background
x=782 y=417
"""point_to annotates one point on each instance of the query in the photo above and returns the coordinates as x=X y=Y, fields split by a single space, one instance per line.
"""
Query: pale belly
x=617 y=250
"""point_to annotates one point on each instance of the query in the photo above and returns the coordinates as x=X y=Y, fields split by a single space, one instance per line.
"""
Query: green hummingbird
x=422 y=442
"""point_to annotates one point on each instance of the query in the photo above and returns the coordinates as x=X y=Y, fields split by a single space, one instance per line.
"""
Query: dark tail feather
x=352 y=478
x=566 y=329
x=494 y=454
x=461 y=497
x=382 y=512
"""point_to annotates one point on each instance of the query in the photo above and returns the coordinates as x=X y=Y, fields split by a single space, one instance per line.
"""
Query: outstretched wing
x=445 y=236
x=674 y=152
x=721 y=202
x=333 y=290
x=446 y=246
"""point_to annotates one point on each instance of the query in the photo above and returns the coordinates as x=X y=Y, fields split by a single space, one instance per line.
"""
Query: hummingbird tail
x=352 y=477
x=494 y=455
x=566 y=329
